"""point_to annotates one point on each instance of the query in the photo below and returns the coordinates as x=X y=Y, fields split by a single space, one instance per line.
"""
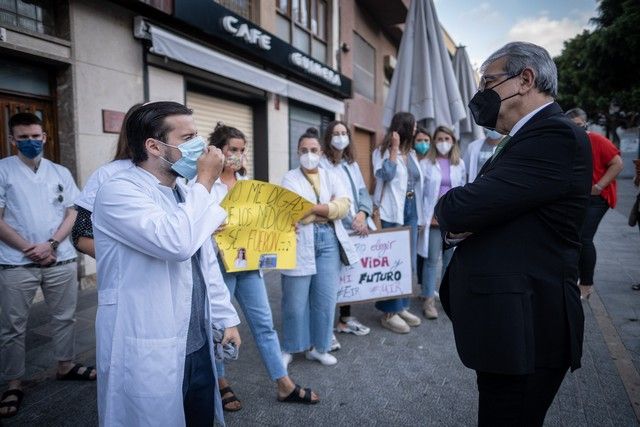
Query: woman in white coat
x=398 y=186
x=249 y=289
x=309 y=291
x=443 y=170
x=339 y=158
x=82 y=232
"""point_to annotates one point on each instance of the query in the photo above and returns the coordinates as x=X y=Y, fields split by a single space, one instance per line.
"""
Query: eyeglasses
x=488 y=78
x=309 y=150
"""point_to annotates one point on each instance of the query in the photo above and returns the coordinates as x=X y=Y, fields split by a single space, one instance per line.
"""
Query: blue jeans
x=309 y=302
x=410 y=219
x=430 y=265
x=198 y=388
x=251 y=293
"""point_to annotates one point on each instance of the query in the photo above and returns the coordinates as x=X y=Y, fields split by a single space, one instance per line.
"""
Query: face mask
x=234 y=162
x=422 y=146
x=485 y=106
x=493 y=134
x=444 y=148
x=340 y=142
x=186 y=166
x=310 y=161
x=30 y=148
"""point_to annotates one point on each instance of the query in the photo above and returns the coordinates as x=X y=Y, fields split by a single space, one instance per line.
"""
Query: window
x=302 y=117
x=33 y=15
x=303 y=23
x=364 y=62
x=241 y=7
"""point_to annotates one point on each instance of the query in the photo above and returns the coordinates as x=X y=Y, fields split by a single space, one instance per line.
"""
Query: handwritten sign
x=260 y=231
x=383 y=270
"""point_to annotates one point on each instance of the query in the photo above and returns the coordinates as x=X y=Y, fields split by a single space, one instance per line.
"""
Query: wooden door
x=10 y=105
x=363 y=145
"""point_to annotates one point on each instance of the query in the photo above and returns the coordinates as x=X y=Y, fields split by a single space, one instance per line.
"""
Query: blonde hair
x=454 y=155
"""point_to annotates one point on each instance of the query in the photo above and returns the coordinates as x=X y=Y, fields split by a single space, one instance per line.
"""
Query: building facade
x=271 y=68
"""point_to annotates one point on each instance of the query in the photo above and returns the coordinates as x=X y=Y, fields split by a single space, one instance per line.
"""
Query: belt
x=34 y=265
x=411 y=194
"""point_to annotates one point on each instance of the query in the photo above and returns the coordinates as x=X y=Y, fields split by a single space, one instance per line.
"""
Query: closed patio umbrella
x=423 y=82
x=466 y=128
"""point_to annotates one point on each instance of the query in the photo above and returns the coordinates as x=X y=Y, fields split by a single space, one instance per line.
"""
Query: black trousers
x=198 y=389
x=587 y=264
x=517 y=400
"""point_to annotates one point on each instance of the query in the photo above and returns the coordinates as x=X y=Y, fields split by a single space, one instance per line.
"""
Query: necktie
x=500 y=146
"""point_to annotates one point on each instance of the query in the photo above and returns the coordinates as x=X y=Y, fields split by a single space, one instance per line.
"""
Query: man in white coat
x=160 y=290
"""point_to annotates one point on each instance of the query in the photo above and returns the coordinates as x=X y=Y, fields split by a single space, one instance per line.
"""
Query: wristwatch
x=54 y=244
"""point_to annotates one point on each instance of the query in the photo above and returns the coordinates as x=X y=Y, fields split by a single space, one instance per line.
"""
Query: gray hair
x=521 y=55
x=577 y=112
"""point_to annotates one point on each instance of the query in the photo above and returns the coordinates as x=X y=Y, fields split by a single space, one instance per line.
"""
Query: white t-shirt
x=35 y=204
x=100 y=175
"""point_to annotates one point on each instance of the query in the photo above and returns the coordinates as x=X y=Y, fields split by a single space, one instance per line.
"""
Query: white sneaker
x=335 y=344
x=411 y=319
x=395 y=323
x=286 y=359
x=325 y=358
x=352 y=326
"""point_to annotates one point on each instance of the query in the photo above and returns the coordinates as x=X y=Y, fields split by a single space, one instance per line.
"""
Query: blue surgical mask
x=422 y=146
x=186 y=166
x=30 y=148
x=493 y=134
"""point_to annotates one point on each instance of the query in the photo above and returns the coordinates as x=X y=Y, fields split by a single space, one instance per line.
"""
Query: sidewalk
x=388 y=379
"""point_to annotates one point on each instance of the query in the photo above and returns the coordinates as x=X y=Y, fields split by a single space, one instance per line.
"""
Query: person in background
x=607 y=164
x=309 y=291
x=443 y=169
x=397 y=193
x=421 y=144
x=36 y=216
x=339 y=158
x=479 y=151
x=161 y=296
x=248 y=287
x=82 y=232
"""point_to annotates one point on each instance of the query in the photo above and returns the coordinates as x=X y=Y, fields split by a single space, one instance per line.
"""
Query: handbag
x=635 y=212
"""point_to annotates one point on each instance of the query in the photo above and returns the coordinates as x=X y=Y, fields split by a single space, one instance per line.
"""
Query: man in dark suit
x=510 y=289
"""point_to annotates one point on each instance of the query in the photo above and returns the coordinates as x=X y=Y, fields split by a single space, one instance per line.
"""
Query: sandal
x=294 y=397
x=12 y=403
x=73 y=374
x=230 y=399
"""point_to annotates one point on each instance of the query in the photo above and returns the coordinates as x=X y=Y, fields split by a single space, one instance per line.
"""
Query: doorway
x=12 y=104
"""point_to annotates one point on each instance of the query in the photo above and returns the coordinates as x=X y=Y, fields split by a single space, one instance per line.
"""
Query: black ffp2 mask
x=485 y=106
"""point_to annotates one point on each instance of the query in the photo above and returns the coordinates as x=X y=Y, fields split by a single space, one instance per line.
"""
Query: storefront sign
x=250 y=35
x=317 y=69
x=383 y=270
x=260 y=226
x=224 y=25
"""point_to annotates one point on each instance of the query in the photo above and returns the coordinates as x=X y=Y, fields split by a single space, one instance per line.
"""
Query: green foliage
x=601 y=68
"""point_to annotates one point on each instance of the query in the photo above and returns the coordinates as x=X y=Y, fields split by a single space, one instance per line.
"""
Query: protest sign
x=259 y=232
x=383 y=269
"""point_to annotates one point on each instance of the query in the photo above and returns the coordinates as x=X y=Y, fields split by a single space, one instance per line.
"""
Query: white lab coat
x=432 y=178
x=295 y=181
x=471 y=158
x=144 y=243
x=391 y=199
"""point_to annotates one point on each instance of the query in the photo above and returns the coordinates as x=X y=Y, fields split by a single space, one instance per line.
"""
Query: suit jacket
x=510 y=289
